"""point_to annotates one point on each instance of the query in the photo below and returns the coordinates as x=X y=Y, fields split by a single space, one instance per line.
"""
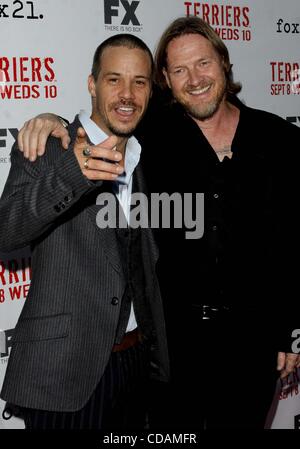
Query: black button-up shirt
x=244 y=258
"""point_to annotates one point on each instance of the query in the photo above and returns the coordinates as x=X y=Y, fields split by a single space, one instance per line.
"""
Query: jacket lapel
x=139 y=185
x=107 y=236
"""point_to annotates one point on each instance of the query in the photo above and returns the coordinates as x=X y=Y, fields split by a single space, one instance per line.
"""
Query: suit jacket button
x=68 y=198
x=115 y=301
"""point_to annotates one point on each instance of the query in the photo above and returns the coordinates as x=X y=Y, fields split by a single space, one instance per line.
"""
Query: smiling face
x=195 y=74
x=122 y=90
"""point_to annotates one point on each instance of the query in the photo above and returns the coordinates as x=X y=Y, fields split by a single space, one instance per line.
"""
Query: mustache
x=126 y=103
x=200 y=85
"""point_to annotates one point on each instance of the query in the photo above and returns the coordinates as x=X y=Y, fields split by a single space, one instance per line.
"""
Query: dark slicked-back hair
x=193 y=25
x=119 y=40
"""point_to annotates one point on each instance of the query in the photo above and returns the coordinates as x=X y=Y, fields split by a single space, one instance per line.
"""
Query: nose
x=126 y=91
x=193 y=77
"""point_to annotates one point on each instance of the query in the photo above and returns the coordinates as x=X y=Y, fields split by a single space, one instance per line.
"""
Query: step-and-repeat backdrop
x=46 y=49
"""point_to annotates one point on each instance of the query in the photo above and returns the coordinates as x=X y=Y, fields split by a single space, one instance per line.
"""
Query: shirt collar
x=133 y=148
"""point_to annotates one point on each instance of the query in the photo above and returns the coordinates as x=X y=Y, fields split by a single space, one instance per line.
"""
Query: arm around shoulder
x=36 y=194
x=33 y=135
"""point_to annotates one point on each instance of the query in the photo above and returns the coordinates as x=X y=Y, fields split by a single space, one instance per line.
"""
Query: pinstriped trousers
x=118 y=402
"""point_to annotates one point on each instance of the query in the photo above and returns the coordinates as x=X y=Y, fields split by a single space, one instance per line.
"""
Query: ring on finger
x=87 y=152
x=86 y=165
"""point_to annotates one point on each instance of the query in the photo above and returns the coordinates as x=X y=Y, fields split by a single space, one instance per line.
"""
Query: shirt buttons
x=115 y=301
x=216 y=196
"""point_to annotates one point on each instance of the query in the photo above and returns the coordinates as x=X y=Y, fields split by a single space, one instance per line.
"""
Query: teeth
x=126 y=109
x=200 y=91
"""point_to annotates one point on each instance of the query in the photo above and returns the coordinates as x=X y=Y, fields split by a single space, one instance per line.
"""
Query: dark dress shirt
x=245 y=259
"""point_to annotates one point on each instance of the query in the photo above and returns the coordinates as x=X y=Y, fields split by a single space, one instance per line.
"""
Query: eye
x=113 y=80
x=178 y=71
x=140 y=82
x=203 y=63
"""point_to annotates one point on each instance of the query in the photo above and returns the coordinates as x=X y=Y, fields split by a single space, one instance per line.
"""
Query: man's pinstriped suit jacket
x=65 y=333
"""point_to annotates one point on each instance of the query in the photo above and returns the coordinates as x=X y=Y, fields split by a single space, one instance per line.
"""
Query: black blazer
x=65 y=333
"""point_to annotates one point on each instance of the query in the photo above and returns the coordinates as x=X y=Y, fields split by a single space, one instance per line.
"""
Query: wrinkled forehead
x=189 y=47
x=123 y=56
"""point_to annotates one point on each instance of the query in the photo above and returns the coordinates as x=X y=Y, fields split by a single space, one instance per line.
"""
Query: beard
x=204 y=110
x=119 y=131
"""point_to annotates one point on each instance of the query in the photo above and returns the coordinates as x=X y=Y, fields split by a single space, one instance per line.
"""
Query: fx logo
x=3 y=133
x=297 y=422
x=5 y=342
x=111 y=9
x=296 y=121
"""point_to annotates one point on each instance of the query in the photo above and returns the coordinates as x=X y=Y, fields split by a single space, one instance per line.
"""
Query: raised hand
x=98 y=162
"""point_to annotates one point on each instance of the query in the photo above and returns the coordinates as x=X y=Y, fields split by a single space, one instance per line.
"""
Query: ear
x=92 y=86
x=167 y=78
